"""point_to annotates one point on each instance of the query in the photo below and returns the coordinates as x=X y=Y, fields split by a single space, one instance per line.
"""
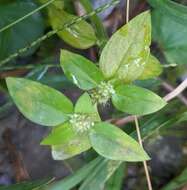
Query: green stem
x=28 y=66
x=96 y=21
x=26 y=16
x=53 y=32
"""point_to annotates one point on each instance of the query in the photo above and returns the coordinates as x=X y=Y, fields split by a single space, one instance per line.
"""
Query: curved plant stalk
x=144 y=162
x=176 y=91
x=96 y=21
x=53 y=32
x=26 y=16
x=127 y=11
x=136 y=119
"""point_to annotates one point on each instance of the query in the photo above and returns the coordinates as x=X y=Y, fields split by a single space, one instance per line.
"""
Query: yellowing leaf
x=112 y=143
x=80 y=35
x=152 y=69
x=66 y=142
x=62 y=152
x=39 y=103
x=127 y=51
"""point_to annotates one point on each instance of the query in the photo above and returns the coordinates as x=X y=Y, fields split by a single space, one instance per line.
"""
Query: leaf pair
x=125 y=58
x=78 y=129
x=106 y=140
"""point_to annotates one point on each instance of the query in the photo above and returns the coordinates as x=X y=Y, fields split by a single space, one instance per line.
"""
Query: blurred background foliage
x=164 y=133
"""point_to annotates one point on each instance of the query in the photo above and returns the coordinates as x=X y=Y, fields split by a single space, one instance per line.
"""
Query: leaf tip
x=146 y=157
x=9 y=80
x=11 y=83
x=44 y=142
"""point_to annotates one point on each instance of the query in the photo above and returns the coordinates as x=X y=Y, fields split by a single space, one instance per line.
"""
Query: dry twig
x=15 y=157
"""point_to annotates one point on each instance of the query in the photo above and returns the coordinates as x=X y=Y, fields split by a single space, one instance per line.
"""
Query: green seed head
x=81 y=123
x=102 y=93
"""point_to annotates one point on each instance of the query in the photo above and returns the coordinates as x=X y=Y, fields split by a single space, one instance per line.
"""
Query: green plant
x=79 y=128
x=118 y=80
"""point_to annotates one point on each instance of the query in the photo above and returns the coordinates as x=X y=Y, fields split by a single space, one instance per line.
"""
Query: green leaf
x=66 y=142
x=84 y=105
x=63 y=134
x=79 y=35
x=136 y=100
x=155 y=126
x=170 y=32
x=175 y=10
x=22 y=33
x=126 y=53
x=177 y=182
x=85 y=74
x=5 y=1
x=153 y=122
x=71 y=181
x=59 y=4
x=26 y=185
x=116 y=180
x=112 y=143
x=39 y=103
x=63 y=152
x=99 y=176
x=152 y=69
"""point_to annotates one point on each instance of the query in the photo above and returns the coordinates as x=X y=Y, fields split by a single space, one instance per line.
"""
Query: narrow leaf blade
x=177 y=182
x=27 y=185
x=71 y=181
x=99 y=176
x=116 y=180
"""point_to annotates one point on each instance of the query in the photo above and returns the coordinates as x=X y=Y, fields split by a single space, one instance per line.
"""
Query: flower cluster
x=81 y=123
x=102 y=93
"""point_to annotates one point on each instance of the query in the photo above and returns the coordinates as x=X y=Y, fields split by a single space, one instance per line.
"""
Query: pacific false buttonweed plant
x=125 y=58
x=75 y=129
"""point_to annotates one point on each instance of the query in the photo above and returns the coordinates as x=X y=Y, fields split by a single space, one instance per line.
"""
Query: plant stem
x=31 y=66
x=26 y=16
x=176 y=91
x=172 y=90
x=53 y=32
x=136 y=119
x=144 y=162
x=127 y=11
x=96 y=21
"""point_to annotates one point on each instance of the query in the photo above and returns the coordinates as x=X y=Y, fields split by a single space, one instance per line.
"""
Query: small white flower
x=102 y=93
x=81 y=122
